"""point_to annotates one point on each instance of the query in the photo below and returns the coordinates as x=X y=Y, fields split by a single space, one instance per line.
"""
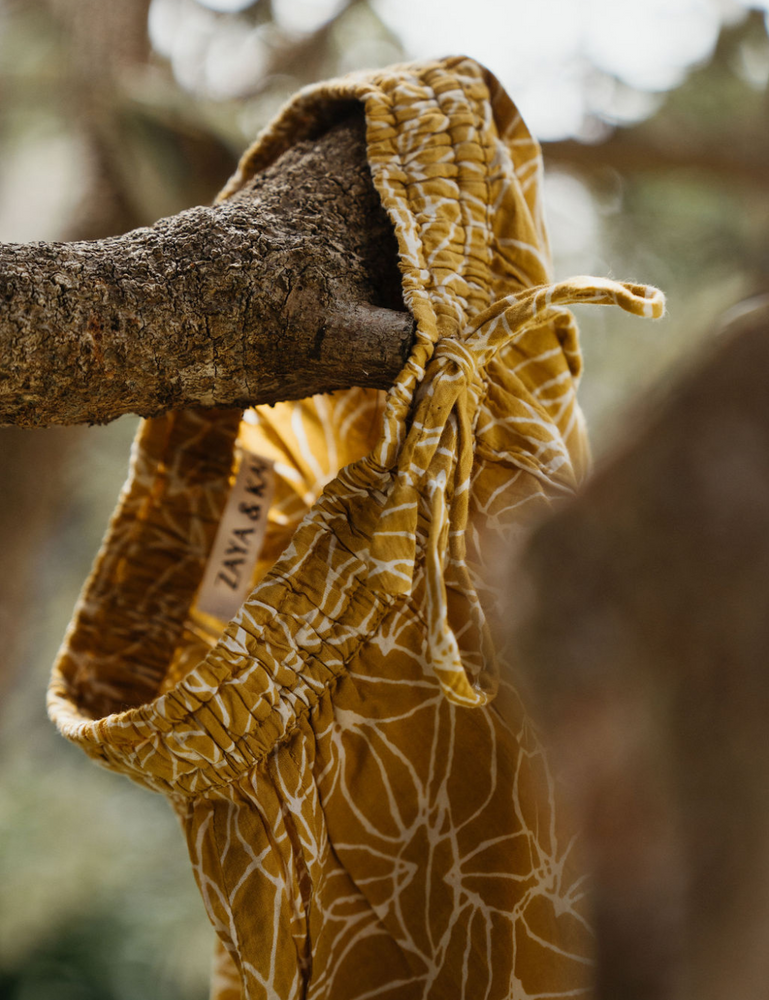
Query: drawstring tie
x=435 y=463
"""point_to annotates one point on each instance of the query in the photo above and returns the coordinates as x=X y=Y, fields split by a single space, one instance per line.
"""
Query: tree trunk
x=647 y=642
x=288 y=288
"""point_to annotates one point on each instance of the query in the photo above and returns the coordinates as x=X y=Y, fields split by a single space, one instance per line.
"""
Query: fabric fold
x=437 y=455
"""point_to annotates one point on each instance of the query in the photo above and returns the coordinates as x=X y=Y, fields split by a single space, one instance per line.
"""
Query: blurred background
x=654 y=119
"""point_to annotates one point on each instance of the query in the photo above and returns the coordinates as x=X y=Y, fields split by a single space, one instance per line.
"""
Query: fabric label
x=239 y=538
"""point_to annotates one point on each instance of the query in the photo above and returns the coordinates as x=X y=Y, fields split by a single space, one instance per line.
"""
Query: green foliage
x=92 y=957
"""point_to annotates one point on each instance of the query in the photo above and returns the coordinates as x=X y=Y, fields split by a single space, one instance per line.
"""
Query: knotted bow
x=435 y=462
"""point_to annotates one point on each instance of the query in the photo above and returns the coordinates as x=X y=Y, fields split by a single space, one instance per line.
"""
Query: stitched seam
x=206 y=767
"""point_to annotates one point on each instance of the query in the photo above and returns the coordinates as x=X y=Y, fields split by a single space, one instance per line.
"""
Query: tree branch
x=630 y=152
x=288 y=288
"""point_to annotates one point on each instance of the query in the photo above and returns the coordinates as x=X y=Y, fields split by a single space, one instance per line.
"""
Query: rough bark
x=290 y=287
x=646 y=644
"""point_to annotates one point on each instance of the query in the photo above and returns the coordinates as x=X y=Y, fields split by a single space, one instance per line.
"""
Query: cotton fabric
x=368 y=809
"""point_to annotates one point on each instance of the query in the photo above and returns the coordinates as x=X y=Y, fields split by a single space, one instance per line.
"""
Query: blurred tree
x=646 y=643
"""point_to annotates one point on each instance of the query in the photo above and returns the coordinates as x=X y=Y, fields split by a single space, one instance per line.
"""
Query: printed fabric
x=368 y=809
